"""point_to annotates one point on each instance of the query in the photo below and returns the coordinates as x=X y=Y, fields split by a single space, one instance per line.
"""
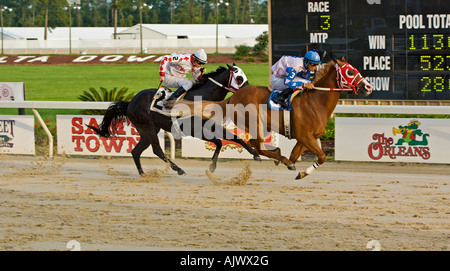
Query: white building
x=62 y=33
x=194 y=31
x=156 y=38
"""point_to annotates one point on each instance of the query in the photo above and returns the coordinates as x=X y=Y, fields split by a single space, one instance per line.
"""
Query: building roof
x=9 y=34
x=58 y=33
x=234 y=31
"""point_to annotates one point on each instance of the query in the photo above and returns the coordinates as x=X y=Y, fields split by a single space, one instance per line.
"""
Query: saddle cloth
x=162 y=94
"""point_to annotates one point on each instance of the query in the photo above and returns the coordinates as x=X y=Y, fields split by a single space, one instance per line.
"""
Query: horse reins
x=221 y=85
x=334 y=89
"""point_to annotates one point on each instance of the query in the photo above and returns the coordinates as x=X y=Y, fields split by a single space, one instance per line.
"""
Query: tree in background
x=120 y=13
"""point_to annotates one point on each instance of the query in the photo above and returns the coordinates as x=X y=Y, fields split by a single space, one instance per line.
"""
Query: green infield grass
x=67 y=82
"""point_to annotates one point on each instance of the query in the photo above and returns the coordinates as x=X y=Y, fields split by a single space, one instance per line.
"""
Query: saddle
x=288 y=100
x=286 y=110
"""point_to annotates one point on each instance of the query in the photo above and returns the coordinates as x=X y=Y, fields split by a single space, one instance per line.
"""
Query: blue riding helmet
x=313 y=57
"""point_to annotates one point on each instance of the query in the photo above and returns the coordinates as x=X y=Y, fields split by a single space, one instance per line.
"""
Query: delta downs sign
x=83 y=59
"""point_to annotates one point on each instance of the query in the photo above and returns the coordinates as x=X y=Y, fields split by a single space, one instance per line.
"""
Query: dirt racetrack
x=104 y=205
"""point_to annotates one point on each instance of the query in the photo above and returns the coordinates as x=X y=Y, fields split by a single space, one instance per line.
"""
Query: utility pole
x=3 y=8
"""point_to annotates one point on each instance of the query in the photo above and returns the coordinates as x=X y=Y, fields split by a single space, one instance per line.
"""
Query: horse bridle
x=345 y=81
x=230 y=86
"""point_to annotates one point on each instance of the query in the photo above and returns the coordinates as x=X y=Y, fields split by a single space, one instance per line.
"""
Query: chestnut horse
x=308 y=117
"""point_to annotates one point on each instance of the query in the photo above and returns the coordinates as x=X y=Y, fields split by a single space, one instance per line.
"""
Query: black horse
x=148 y=123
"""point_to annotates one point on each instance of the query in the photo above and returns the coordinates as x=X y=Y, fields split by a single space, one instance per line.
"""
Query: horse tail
x=115 y=113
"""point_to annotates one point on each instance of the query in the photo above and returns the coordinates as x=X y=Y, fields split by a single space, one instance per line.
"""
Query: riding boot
x=177 y=94
x=279 y=99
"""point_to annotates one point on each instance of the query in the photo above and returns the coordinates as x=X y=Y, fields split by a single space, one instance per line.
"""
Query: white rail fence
x=33 y=105
x=357 y=109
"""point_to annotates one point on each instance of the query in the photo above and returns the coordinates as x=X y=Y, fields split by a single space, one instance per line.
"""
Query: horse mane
x=323 y=70
x=205 y=77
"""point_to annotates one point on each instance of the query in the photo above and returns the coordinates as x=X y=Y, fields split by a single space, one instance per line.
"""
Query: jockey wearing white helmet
x=175 y=67
x=293 y=73
x=200 y=56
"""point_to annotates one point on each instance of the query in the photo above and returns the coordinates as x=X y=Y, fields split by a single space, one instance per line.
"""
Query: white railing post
x=47 y=131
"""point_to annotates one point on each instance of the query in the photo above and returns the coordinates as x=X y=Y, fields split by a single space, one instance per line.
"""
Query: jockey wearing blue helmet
x=312 y=57
x=291 y=73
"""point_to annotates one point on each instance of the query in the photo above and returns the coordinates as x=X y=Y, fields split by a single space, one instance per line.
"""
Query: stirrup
x=176 y=95
x=283 y=104
x=280 y=102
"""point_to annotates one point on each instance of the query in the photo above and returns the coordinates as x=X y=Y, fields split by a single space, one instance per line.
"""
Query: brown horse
x=308 y=117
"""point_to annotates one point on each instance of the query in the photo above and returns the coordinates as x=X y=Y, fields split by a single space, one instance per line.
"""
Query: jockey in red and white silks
x=175 y=67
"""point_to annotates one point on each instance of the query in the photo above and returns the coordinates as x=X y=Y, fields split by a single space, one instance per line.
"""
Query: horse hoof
x=212 y=168
x=301 y=175
x=291 y=167
x=181 y=172
x=276 y=162
x=257 y=158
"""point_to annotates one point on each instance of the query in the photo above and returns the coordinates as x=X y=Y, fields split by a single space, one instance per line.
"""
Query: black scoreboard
x=402 y=47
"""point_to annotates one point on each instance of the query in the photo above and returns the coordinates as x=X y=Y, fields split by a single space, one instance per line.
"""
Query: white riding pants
x=176 y=82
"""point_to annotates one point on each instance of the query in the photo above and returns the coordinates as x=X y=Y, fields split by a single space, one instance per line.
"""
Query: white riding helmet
x=200 y=56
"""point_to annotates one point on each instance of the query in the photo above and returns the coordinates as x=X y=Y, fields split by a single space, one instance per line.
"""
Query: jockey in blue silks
x=291 y=73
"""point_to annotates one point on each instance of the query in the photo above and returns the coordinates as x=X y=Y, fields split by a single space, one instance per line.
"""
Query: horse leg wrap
x=312 y=168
